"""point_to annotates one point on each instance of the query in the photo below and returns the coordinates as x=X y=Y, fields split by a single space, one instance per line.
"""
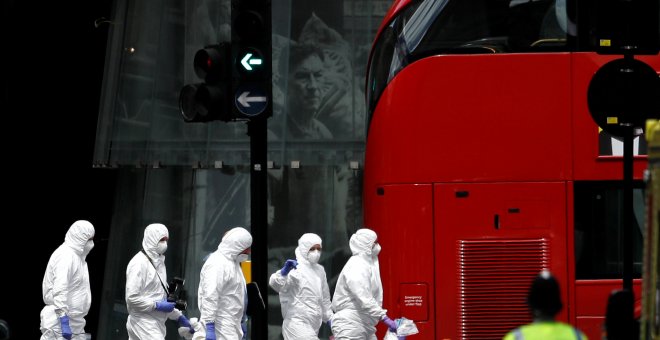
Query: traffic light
x=237 y=75
x=251 y=53
x=208 y=101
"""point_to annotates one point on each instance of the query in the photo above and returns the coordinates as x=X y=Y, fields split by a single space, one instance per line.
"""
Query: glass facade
x=167 y=168
x=150 y=57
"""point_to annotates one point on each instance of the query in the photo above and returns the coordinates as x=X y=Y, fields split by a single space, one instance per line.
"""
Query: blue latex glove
x=165 y=306
x=210 y=331
x=184 y=322
x=390 y=323
x=401 y=337
x=66 y=330
x=288 y=265
x=244 y=328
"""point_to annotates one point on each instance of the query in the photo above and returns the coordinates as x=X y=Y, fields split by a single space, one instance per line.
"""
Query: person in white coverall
x=222 y=292
x=304 y=292
x=65 y=288
x=358 y=297
x=146 y=289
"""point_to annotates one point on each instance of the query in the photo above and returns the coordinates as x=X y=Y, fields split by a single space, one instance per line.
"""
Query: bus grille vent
x=493 y=280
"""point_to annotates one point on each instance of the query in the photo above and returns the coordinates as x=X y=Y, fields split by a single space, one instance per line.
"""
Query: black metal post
x=259 y=218
x=628 y=221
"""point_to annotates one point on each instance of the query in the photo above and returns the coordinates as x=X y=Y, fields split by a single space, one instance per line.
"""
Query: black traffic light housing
x=208 y=101
x=238 y=75
x=251 y=51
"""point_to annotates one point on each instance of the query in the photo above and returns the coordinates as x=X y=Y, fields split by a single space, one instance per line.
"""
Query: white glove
x=185 y=332
x=200 y=331
x=199 y=335
x=196 y=325
x=174 y=314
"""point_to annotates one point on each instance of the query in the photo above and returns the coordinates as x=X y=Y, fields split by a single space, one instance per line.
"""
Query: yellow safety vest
x=553 y=330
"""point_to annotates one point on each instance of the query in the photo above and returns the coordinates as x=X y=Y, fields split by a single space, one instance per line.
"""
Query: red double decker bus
x=484 y=166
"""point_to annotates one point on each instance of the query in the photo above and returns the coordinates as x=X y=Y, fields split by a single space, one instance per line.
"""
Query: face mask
x=376 y=250
x=314 y=256
x=88 y=247
x=161 y=247
x=242 y=257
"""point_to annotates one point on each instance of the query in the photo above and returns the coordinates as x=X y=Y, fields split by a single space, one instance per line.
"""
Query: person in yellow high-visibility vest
x=545 y=302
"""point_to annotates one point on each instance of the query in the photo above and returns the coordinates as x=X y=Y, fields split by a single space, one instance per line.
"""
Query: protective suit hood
x=363 y=241
x=235 y=242
x=153 y=233
x=78 y=235
x=305 y=242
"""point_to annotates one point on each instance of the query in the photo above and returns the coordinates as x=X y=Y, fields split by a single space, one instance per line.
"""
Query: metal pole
x=259 y=218
x=628 y=221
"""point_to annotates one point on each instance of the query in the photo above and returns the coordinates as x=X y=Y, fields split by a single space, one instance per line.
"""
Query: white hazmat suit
x=359 y=292
x=145 y=285
x=304 y=293
x=65 y=286
x=222 y=290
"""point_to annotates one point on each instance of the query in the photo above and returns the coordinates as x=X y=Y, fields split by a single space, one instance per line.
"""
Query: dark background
x=53 y=59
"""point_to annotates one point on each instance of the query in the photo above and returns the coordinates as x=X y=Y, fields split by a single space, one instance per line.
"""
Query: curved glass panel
x=319 y=111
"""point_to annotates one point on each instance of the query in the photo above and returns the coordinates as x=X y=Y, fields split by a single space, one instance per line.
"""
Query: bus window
x=599 y=229
x=434 y=27
x=383 y=53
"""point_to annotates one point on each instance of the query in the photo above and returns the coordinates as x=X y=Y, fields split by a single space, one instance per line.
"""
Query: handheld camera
x=176 y=293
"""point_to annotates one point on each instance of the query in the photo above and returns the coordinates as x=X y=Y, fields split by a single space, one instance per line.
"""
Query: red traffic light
x=212 y=63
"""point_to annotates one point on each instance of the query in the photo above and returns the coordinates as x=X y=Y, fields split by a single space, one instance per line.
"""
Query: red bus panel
x=408 y=251
x=501 y=235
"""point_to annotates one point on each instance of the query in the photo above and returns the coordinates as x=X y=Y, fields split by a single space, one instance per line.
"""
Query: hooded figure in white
x=65 y=288
x=146 y=282
x=358 y=295
x=304 y=292
x=222 y=291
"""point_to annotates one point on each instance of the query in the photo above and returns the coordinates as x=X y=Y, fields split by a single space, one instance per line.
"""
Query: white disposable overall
x=304 y=293
x=221 y=293
x=65 y=286
x=359 y=292
x=145 y=286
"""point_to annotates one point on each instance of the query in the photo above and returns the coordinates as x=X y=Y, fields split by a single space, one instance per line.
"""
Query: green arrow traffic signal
x=247 y=61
